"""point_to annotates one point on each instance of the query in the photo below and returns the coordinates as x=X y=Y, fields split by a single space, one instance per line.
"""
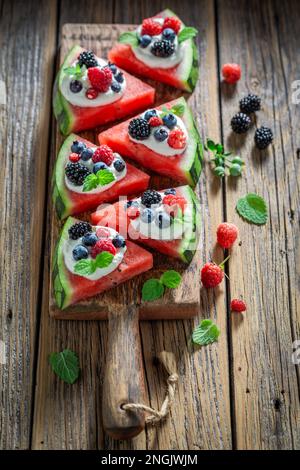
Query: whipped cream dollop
x=80 y=99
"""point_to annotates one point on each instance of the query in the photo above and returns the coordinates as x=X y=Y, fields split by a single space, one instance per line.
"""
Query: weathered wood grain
x=198 y=420
x=27 y=41
x=264 y=268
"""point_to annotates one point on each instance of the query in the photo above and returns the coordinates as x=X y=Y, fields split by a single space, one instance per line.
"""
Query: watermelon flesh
x=68 y=202
x=137 y=96
x=115 y=216
x=70 y=288
x=184 y=168
x=183 y=76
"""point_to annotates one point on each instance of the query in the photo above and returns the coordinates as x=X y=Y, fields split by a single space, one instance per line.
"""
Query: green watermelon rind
x=62 y=288
x=62 y=109
x=189 y=243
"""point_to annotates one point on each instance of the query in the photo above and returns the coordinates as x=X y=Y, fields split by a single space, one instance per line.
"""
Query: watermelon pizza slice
x=89 y=92
x=161 y=48
x=90 y=260
x=164 y=139
x=167 y=220
x=86 y=175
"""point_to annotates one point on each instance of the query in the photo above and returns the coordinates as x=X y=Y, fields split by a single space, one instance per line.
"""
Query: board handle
x=124 y=378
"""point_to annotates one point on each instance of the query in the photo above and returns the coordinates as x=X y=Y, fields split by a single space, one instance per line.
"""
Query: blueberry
x=170 y=191
x=77 y=147
x=163 y=220
x=160 y=134
x=169 y=34
x=113 y=68
x=170 y=121
x=149 y=114
x=119 y=241
x=86 y=154
x=75 y=86
x=145 y=40
x=116 y=87
x=131 y=204
x=147 y=216
x=119 y=77
x=99 y=166
x=80 y=252
x=119 y=165
x=89 y=239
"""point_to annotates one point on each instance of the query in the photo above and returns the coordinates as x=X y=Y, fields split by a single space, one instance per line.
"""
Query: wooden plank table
x=242 y=392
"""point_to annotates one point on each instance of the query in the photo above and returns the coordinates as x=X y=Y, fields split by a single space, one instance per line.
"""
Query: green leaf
x=171 y=279
x=152 y=290
x=211 y=145
x=205 y=333
x=105 y=177
x=129 y=37
x=253 y=208
x=220 y=149
x=178 y=109
x=90 y=182
x=187 y=33
x=85 y=267
x=75 y=70
x=104 y=259
x=66 y=365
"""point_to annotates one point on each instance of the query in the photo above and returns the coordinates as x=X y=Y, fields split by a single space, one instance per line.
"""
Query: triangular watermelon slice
x=70 y=288
x=68 y=202
x=121 y=216
x=183 y=76
x=137 y=96
x=185 y=167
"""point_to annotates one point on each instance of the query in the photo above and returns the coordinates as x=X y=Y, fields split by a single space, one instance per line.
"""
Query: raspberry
x=103 y=245
x=177 y=139
x=211 y=275
x=173 y=23
x=103 y=154
x=102 y=232
x=100 y=78
x=133 y=212
x=171 y=200
x=237 y=305
x=226 y=234
x=155 y=121
x=91 y=93
x=231 y=73
x=151 y=27
x=74 y=157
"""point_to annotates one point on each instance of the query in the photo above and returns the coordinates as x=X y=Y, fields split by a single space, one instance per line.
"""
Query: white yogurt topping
x=79 y=99
x=151 y=230
x=145 y=55
x=163 y=148
x=89 y=164
x=70 y=244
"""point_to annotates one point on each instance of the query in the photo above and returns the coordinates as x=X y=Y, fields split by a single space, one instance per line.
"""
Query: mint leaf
x=205 y=333
x=104 y=259
x=105 y=177
x=66 y=365
x=178 y=109
x=253 y=208
x=220 y=149
x=75 y=70
x=85 y=267
x=210 y=145
x=187 y=33
x=152 y=290
x=171 y=279
x=90 y=182
x=129 y=37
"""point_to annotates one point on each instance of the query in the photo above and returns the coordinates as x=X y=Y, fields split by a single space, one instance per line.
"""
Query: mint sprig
x=130 y=37
x=76 y=70
x=221 y=162
x=65 y=364
x=187 y=33
x=85 y=267
x=154 y=289
x=101 y=178
x=253 y=208
x=205 y=333
x=177 y=109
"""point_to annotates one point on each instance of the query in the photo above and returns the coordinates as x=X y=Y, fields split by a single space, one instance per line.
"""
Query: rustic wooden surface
x=242 y=392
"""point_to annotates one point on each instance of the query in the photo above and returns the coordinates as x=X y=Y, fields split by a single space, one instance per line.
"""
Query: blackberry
x=162 y=48
x=263 y=137
x=76 y=173
x=139 y=129
x=88 y=59
x=150 y=197
x=240 y=123
x=250 y=103
x=79 y=230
